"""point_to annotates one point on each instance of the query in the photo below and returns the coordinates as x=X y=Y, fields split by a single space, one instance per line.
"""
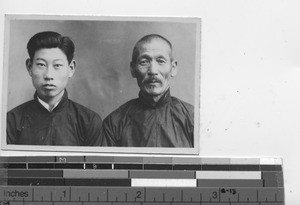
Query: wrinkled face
x=50 y=72
x=154 y=67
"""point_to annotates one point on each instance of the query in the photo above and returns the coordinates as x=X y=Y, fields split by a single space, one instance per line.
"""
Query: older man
x=155 y=118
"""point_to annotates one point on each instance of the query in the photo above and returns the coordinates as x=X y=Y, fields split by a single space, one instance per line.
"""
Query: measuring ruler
x=140 y=181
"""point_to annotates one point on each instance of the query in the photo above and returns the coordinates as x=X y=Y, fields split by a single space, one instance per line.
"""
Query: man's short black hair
x=148 y=39
x=50 y=39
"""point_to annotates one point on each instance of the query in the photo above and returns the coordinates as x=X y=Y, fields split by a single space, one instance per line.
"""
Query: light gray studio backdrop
x=102 y=80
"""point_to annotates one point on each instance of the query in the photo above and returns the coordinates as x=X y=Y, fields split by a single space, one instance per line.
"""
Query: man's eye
x=161 y=61
x=58 y=65
x=41 y=65
x=143 y=62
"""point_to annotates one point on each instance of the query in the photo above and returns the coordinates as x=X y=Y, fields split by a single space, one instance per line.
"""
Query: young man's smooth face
x=154 y=67
x=50 y=72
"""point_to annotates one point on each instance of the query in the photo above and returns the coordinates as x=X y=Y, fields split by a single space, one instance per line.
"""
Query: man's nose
x=49 y=73
x=153 y=68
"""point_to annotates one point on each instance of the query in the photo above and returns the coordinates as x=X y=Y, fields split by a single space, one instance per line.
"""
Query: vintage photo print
x=101 y=84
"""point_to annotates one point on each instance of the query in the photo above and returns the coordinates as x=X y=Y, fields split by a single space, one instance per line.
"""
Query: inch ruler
x=140 y=181
x=142 y=195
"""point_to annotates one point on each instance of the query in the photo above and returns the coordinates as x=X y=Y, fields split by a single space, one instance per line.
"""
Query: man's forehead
x=50 y=52
x=154 y=45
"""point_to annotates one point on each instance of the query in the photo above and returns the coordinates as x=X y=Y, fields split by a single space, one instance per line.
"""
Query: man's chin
x=153 y=93
x=48 y=94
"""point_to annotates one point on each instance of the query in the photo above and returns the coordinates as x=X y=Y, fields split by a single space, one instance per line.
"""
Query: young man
x=155 y=119
x=51 y=118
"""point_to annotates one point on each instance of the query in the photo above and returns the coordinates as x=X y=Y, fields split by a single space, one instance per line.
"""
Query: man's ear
x=132 y=69
x=29 y=66
x=174 y=68
x=72 y=67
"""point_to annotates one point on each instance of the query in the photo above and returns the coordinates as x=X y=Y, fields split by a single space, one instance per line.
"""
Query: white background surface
x=250 y=86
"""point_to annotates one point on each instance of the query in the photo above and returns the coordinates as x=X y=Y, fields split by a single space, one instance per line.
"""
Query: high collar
x=149 y=101
x=60 y=104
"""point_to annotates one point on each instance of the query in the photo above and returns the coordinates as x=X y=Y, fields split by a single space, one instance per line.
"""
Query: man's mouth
x=49 y=86
x=152 y=81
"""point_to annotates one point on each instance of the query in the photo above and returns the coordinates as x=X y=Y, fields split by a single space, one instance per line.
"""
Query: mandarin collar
x=60 y=104
x=165 y=98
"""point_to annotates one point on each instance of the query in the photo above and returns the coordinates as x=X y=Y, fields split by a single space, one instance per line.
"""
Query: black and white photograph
x=101 y=84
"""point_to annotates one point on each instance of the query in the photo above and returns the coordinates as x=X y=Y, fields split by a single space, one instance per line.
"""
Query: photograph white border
x=79 y=149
